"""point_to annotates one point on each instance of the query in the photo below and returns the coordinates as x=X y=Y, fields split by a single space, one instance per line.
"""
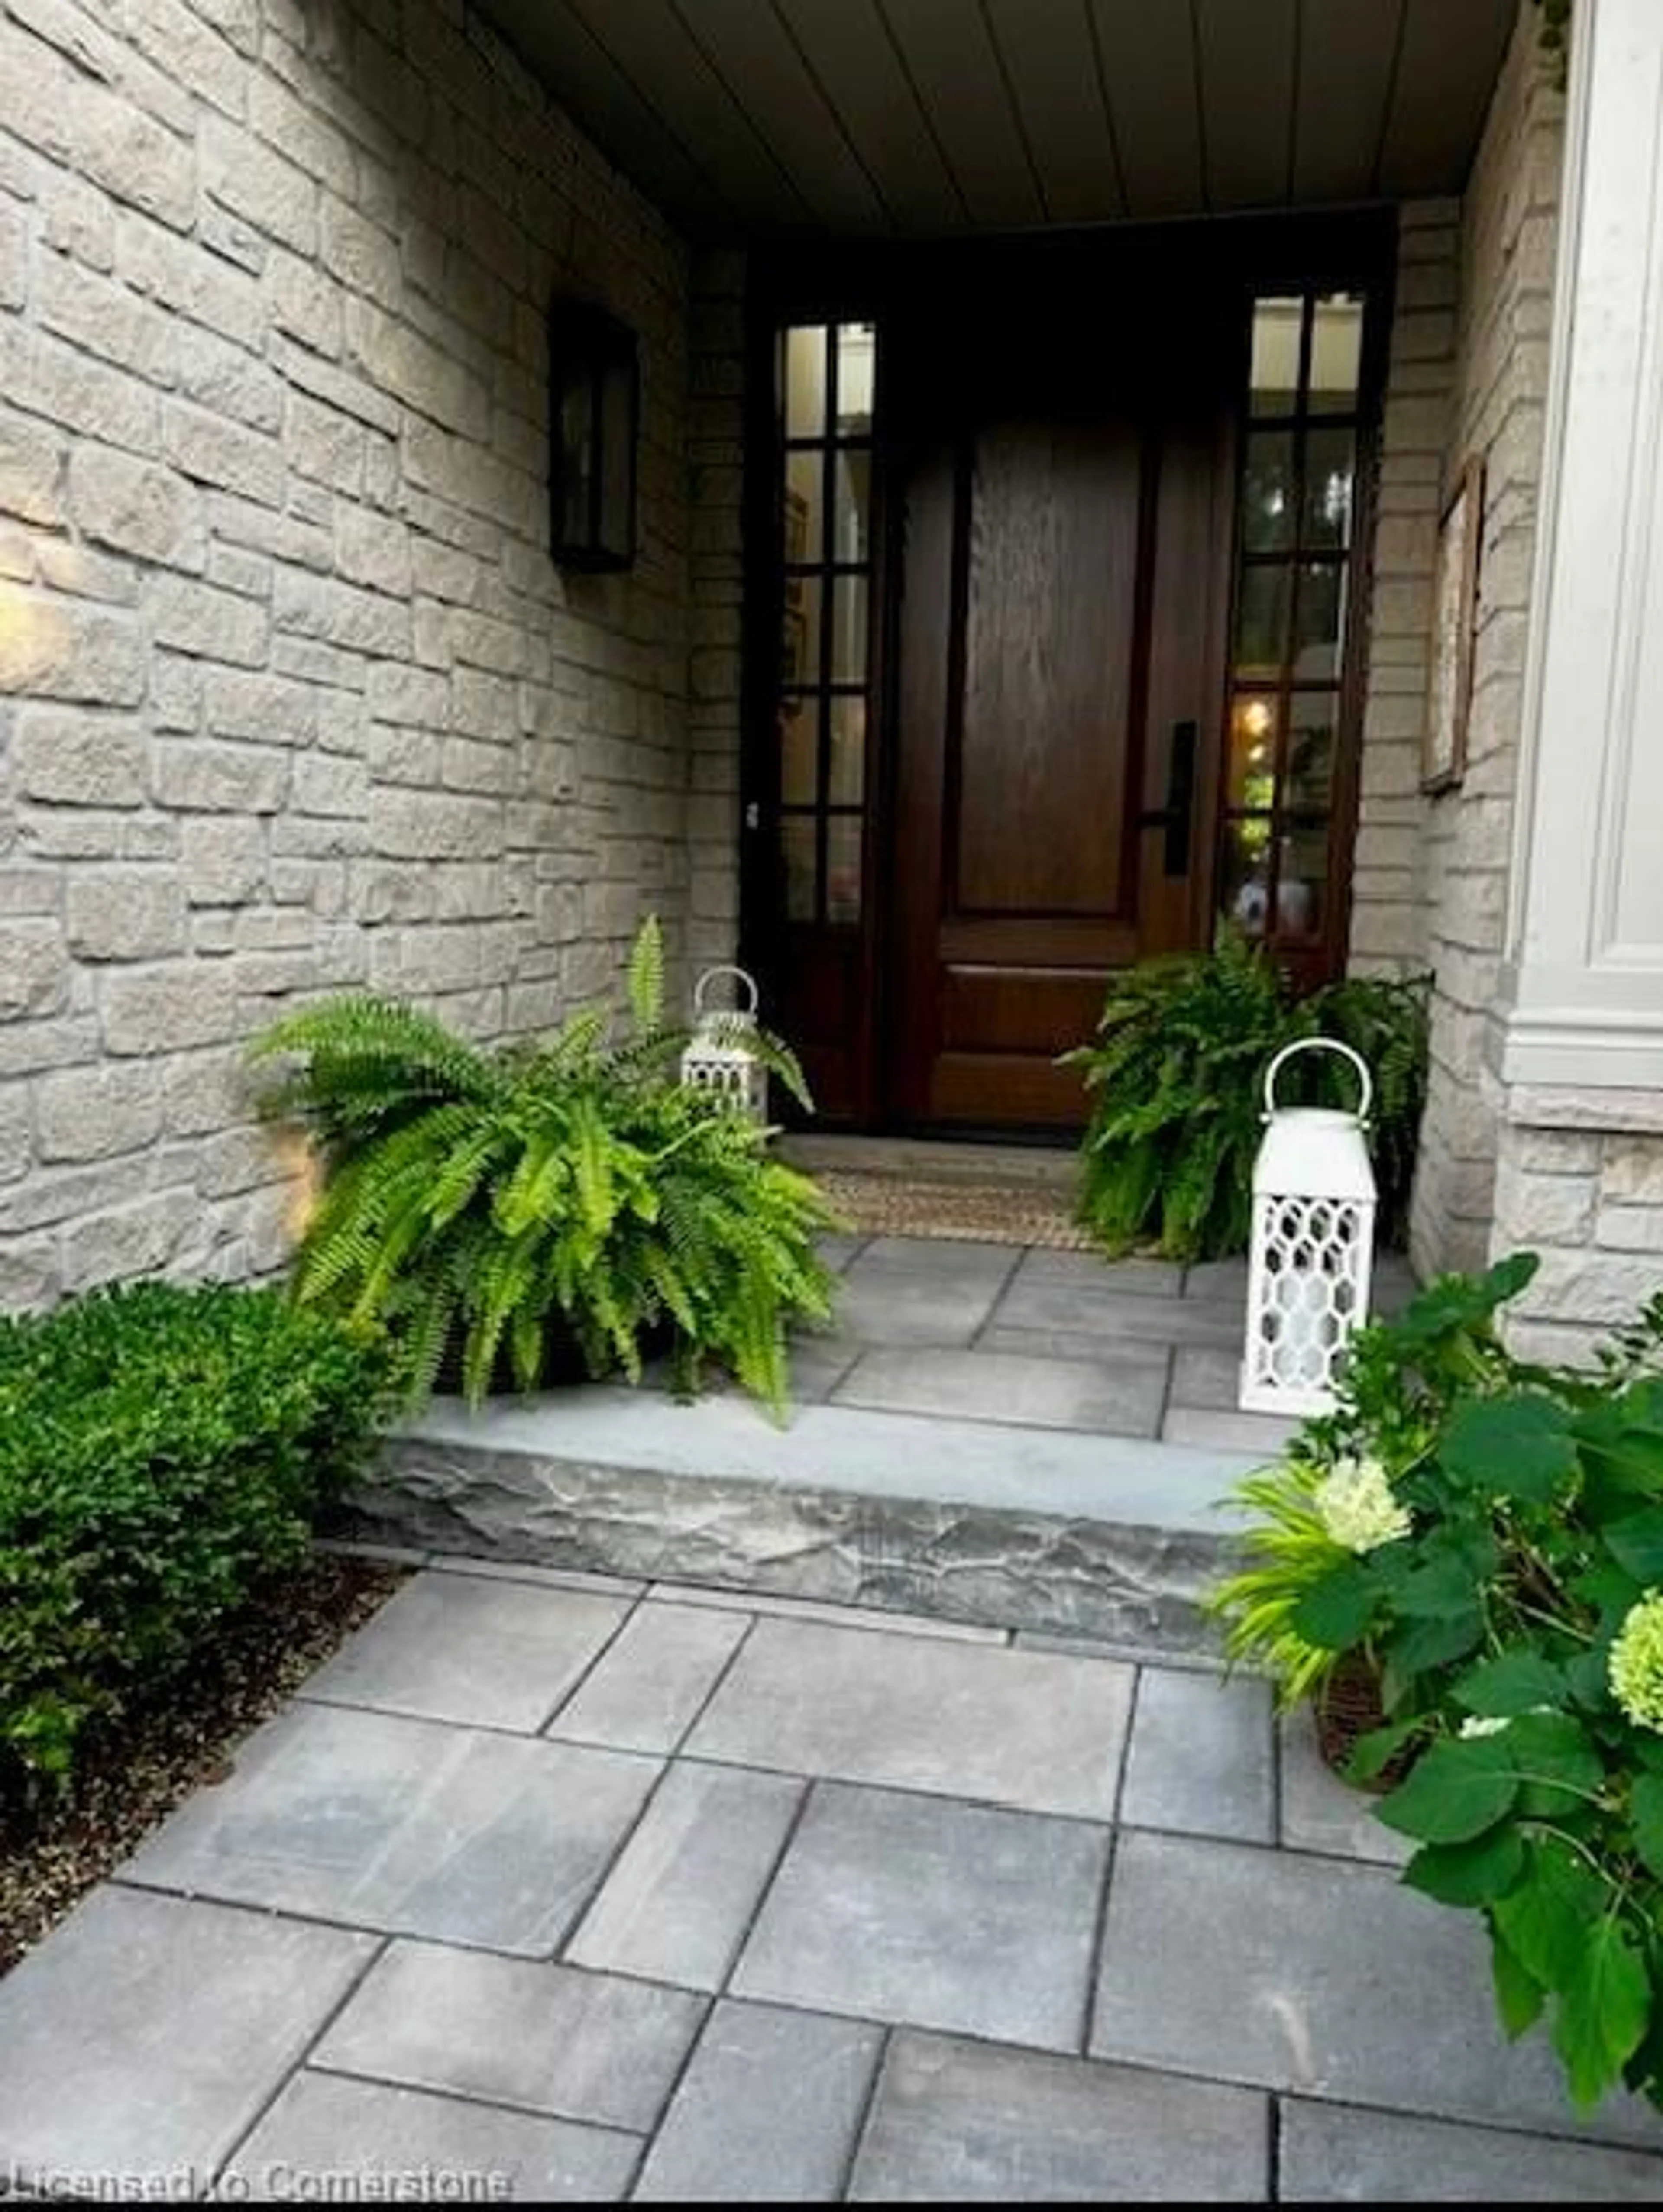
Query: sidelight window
x=1296 y=508
x=827 y=381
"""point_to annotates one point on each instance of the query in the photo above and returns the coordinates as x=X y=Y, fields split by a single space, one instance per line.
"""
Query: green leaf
x=1434 y=1642
x=1478 y=1872
x=1604 y=2009
x=1554 y=1760
x=1455 y=1791
x=1375 y=1751
x=1545 y=1918
x=1519 y=1996
x=1635 y=1542
x=1335 y=1611
x=1514 y=1683
x=1442 y=1584
x=1514 y=1447
x=1645 y=1810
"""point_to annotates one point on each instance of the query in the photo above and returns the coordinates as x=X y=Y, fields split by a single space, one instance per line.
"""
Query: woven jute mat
x=1014 y=1212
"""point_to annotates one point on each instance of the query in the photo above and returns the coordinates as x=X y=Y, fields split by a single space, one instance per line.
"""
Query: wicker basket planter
x=1347 y=1707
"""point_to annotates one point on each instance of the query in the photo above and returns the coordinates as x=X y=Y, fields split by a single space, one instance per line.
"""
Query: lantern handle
x=1365 y=1081
x=740 y=975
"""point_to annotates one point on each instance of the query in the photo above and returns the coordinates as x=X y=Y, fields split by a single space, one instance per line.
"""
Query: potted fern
x=1174 y=1074
x=512 y=1213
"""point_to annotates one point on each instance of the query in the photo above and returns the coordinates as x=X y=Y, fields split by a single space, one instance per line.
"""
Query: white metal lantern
x=1313 y=1244
x=718 y=1059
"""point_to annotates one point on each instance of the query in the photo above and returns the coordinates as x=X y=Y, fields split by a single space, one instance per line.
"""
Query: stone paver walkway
x=562 y=1886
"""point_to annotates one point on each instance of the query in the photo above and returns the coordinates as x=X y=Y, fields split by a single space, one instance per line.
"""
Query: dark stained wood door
x=1063 y=560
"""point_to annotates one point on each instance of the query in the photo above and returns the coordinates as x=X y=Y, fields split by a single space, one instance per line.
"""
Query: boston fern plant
x=1176 y=1073
x=490 y=1203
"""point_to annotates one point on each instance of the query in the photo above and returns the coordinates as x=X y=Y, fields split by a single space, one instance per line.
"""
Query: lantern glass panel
x=594 y=399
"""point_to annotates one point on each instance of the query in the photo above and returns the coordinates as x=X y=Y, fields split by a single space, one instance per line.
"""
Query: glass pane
x=800 y=752
x=577 y=427
x=800 y=632
x=842 y=868
x=1276 y=325
x=848 y=775
x=797 y=849
x=1328 y=471
x=1336 y=353
x=805 y=382
x=1262 y=622
x=857 y=353
x=848 y=630
x=801 y=538
x=852 y=504
x=1320 y=624
x=1252 y=750
x=1267 y=492
x=1313 y=720
x=1246 y=873
x=1302 y=880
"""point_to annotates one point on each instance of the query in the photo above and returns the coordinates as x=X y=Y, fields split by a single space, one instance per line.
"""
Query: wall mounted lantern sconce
x=594 y=382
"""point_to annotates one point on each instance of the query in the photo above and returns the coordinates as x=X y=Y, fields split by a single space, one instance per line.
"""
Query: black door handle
x=1177 y=817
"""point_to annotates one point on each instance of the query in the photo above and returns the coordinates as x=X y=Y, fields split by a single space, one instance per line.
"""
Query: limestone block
x=341 y=614
x=130 y=1240
x=79 y=760
x=56 y=649
x=205 y=446
x=35 y=973
x=258 y=183
x=221 y=859
x=1632 y=1170
x=169 y=1008
x=137 y=507
x=204 y=775
x=31 y=471
x=125 y=913
x=193 y=617
x=98 y=1112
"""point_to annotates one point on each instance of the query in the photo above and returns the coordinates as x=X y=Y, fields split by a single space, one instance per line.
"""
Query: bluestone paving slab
x=1206 y=1377
x=453 y=1647
x=1201 y=1757
x=573 y=2045
x=1309 y=1974
x=146 y=2033
x=1092 y=1271
x=1267 y=1434
x=908 y=1908
x=407 y=1826
x=517 y=1571
x=1335 y=2155
x=1218 y=1280
x=845 y=1616
x=1320 y=1812
x=944 y=1260
x=837 y=1249
x=768 y=2110
x=676 y=1905
x=645 y=1691
x=1026 y=1729
x=1123 y=1315
x=957 y=2123
x=368 y=2138
x=882 y=1303
x=1116 y=1399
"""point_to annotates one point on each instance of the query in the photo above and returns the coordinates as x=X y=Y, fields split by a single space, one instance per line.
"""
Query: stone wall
x=1388 y=918
x=1508 y=228
x=716 y=434
x=291 y=697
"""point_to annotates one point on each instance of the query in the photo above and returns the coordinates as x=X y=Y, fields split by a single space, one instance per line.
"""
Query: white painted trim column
x=1582 y=993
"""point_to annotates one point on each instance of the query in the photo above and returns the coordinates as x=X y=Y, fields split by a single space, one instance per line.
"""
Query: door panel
x=1068 y=512
x=1040 y=764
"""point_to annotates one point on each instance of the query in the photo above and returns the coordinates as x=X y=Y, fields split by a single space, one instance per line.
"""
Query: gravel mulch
x=157 y=1755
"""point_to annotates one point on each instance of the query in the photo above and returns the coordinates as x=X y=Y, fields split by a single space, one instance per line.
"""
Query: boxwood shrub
x=163 y=1450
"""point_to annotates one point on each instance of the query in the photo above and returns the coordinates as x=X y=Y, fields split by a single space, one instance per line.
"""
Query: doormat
x=1014 y=1211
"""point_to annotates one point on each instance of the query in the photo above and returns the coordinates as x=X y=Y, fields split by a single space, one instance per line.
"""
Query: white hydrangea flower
x=1355 y=1503
x=1482 y=1724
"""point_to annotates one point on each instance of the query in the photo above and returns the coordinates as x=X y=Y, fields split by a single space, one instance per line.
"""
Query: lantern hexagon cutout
x=717 y=1060
x=1313 y=1254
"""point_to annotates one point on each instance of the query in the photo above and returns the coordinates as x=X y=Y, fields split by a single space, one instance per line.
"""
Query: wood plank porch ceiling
x=751 y=119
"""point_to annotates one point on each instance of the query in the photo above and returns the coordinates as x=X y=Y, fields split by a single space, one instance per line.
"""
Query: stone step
x=1008 y=1527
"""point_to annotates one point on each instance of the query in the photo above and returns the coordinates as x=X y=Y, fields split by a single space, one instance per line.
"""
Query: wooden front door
x=1063 y=546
